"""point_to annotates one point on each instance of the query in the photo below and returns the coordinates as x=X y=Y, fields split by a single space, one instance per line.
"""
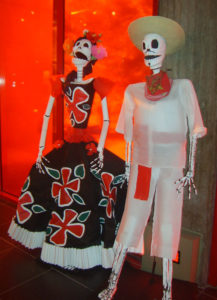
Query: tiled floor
x=24 y=277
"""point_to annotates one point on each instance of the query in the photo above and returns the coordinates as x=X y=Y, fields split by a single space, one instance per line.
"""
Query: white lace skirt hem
x=27 y=238
x=68 y=258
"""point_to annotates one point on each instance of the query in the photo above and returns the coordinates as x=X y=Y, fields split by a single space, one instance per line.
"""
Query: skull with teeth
x=82 y=49
x=154 y=49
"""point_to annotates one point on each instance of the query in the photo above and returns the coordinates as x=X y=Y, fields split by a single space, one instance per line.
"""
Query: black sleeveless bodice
x=79 y=99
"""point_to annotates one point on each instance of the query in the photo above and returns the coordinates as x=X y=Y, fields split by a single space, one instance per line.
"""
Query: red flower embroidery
x=23 y=213
x=61 y=190
x=108 y=192
x=79 y=97
x=65 y=226
x=91 y=147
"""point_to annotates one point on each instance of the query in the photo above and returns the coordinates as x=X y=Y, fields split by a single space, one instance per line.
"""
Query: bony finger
x=180 y=186
x=45 y=158
x=185 y=183
x=189 y=192
x=93 y=161
x=179 y=180
x=195 y=189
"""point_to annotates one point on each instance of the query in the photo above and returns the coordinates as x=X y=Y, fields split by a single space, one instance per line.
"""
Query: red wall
x=25 y=67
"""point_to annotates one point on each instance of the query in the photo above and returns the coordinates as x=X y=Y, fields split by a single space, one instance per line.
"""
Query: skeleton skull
x=82 y=49
x=154 y=49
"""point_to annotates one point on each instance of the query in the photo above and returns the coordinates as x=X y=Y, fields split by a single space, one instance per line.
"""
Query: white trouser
x=167 y=212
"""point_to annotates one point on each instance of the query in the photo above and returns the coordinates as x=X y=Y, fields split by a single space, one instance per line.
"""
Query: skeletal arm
x=196 y=129
x=97 y=164
x=192 y=154
x=42 y=142
x=128 y=150
x=105 y=126
x=188 y=179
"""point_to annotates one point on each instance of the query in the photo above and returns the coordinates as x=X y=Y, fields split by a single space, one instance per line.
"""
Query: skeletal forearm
x=45 y=123
x=192 y=154
x=105 y=126
x=128 y=152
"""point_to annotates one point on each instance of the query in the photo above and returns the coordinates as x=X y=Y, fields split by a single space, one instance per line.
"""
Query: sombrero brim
x=170 y=30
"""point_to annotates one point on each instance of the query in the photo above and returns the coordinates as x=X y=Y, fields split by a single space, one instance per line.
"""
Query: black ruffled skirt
x=71 y=212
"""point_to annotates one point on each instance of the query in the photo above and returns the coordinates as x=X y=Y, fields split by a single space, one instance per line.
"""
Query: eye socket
x=143 y=46
x=154 y=43
x=77 y=44
x=86 y=45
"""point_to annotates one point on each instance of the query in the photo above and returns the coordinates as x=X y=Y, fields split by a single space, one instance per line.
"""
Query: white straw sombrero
x=170 y=30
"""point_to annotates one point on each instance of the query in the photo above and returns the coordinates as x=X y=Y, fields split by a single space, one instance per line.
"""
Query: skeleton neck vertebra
x=79 y=73
x=80 y=64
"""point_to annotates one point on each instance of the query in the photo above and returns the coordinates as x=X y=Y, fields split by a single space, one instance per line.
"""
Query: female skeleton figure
x=155 y=117
x=70 y=200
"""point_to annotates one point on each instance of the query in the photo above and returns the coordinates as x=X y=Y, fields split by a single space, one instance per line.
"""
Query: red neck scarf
x=158 y=86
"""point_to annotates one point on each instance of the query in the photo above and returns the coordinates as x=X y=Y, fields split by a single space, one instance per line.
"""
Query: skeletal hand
x=187 y=180
x=127 y=171
x=96 y=165
x=126 y=175
x=40 y=164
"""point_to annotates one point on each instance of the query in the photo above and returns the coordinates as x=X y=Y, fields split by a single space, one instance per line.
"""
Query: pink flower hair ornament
x=98 y=52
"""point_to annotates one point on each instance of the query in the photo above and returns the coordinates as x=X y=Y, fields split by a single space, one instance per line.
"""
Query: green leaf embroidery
x=119 y=179
x=97 y=175
x=84 y=216
x=53 y=173
x=26 y=184
x=48 y=230
x=79 y=171
x=78 y=199
x=37 y=209
x=101 y=220
x=103 y=202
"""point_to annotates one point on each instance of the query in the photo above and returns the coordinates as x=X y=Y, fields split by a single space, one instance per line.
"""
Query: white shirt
x=158 y=129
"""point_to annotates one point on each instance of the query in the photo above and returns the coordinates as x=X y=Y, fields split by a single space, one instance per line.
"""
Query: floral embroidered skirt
x=70 y=212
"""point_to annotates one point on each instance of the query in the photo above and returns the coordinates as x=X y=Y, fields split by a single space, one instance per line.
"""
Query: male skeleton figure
x=156 y=117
